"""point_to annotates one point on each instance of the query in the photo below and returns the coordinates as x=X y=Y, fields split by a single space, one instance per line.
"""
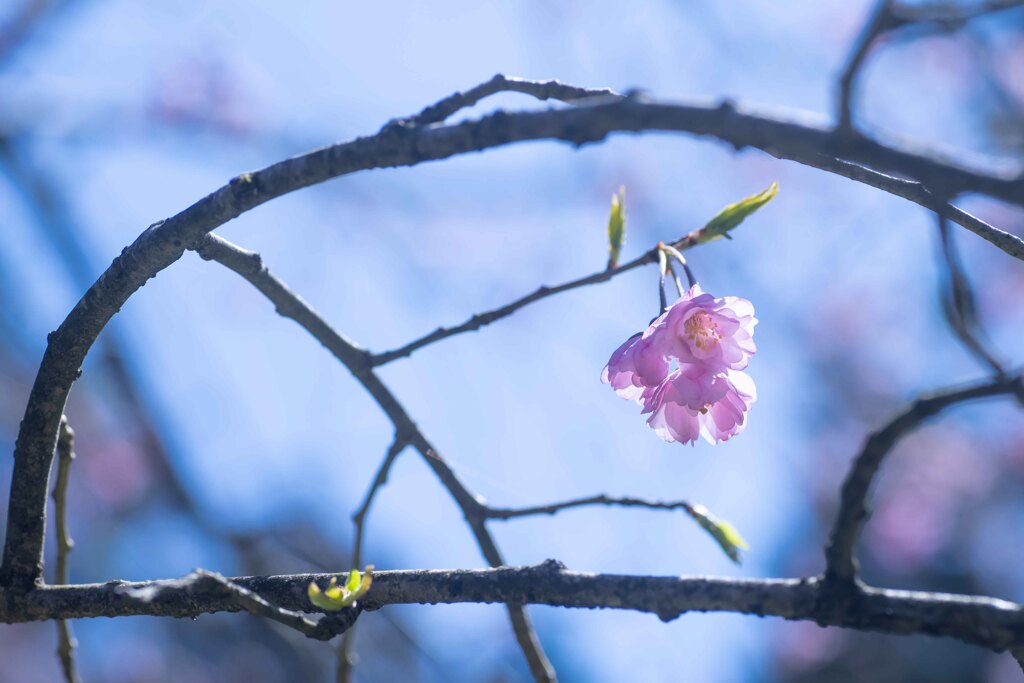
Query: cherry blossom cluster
x=686 y=368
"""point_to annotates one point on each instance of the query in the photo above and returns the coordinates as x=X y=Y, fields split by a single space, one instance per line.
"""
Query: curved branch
x=881 y=20
x=402 y=145
x=890 y=16
x=853 y=512
x=987 y=622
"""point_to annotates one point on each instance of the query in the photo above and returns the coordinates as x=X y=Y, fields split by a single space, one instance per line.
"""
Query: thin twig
x=66 y=642
x=485 y=318
x=958 y=302
x=359 y=518
x=680 y=290
x=542 y=90
x=986 y=622
x=479 y=320
x=346 y=652
x=602 y=499
x=841 y=565
x=288 y=304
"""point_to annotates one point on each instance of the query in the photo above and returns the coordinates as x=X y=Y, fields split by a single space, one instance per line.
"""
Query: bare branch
x=249 y=265
x=346 y=648
x=202 y=583
x=359 y=518
x=487 y=317
x=602 y=499
x=958 y=302
x=986 y=622
x=541 y=90
x=66 y=642
x=841 y=566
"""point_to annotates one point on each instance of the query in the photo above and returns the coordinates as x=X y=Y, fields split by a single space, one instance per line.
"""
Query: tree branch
x=359 y=518
x=346 y=648
x=487 y=317
x=66 y=642
x=958 y=302
x=250 y=266
x=602 y=499
x=541 y=90
x=841 y=567
x=202 y=583
x=983 y=621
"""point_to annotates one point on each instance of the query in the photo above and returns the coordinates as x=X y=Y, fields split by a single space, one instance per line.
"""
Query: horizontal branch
x=987 y=622
x=202 y=581
x=404 y=145
x=601 y=499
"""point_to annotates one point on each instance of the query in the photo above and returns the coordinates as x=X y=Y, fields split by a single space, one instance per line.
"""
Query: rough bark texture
x=990 y=623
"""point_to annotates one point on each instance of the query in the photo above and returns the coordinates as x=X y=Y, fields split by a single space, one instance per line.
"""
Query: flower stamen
x=702 y=330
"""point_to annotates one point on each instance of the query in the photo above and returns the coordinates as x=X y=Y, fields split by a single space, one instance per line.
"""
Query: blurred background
x=212 y=433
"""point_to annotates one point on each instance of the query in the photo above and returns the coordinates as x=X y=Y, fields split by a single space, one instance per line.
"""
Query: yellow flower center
x=701 y=330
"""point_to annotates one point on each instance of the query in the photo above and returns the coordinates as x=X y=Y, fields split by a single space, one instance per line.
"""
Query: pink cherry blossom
x=634 y=367
x=700 y=329
x=693 y=402
x=708 y=341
